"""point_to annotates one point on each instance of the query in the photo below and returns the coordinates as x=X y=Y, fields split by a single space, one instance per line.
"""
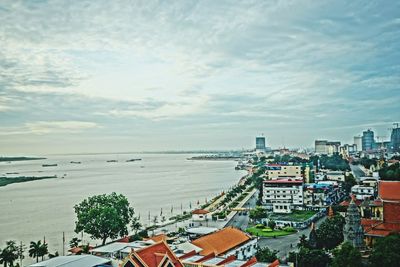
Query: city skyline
x=151 y=76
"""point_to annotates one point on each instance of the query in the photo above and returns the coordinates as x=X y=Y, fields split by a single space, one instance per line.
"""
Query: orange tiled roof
x=154 y=254
x=158 y=238
x=389 y=190
x=221 y=241
x=383 y=229
x=250 y=262
x=199 y=211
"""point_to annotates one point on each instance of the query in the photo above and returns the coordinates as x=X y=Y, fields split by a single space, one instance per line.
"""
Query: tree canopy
x=266 y=255
x=390 y=173
x=330 y=232
x=9 y=254
x=306 y=257
x=346 y=256
x=386 y=252
x=258 y=213
x=104 y=216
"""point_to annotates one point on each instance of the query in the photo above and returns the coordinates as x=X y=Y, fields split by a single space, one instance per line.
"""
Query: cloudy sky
x=106 y=76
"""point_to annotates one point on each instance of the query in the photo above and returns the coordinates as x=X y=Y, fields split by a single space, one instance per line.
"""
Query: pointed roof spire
x=330 y=212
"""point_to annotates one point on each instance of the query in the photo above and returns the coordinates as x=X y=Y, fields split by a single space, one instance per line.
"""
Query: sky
x=129 y=75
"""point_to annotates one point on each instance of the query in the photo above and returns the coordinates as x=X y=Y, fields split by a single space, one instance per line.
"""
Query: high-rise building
x=395 y=140
x=260 y=144
x=358 y=142
x=368 y=141
x=326 y=147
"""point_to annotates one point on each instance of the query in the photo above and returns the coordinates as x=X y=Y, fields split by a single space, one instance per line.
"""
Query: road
x=242 y=221
x=357 y=172
x=282 y=243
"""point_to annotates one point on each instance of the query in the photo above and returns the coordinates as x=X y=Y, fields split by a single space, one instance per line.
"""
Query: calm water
x=29 y=211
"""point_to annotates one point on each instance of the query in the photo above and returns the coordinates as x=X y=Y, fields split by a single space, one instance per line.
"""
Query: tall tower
x=260 y=144
x=368 y=141
x=353 y=231
x=358 y=142
x=395 y=138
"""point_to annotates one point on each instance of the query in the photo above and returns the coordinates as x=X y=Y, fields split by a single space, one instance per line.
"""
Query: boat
x=113 y=160
x=131 y=160
x=75 y=162
x=12 y=173
x=49 y=165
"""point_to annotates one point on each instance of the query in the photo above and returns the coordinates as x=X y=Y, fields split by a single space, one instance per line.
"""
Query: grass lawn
x=270 y=233
x=295 y=216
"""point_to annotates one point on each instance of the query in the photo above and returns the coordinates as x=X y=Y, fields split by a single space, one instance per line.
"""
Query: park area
x=265 y=231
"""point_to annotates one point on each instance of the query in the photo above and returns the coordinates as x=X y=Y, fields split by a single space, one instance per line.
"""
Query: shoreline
x=4 y=180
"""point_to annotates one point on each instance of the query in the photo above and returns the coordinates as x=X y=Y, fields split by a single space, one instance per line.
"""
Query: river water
x=32 y=210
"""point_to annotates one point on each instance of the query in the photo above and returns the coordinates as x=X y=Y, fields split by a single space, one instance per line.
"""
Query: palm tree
x=35 y=250
x=9 y=254
x=44 y=250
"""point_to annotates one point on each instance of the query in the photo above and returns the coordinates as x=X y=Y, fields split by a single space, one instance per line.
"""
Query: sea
x=157 y=185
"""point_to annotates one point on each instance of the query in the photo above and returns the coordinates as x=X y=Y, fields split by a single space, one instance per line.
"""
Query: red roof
x=383 y=229
x=154 y=255
x=283 y=181
x=200 y=211
x=346 y=203
x=389 y=190
x=221 y=241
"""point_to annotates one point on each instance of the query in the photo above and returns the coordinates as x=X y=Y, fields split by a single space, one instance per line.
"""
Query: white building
x=200 y=215
x=283 y=195
x=335 y=176
x=362 y=192
x=275 y=171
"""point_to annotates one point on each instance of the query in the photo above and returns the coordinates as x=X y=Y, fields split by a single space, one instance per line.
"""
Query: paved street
x=357 y=172
x=282 y=244
x=242 y=221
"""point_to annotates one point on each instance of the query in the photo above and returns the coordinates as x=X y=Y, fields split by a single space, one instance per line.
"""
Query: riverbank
x=22 y=179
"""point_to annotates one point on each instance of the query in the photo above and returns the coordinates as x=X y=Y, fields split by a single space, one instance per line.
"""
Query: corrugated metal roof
x=72 y=261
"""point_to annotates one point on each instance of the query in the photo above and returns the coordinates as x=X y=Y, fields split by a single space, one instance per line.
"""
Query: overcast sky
x=106 y=76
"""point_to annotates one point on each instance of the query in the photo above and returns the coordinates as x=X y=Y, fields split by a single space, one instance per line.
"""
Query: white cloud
x=49 y=127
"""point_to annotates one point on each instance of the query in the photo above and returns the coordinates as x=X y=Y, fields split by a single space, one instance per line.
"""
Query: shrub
x=289 y=229
x=260 y=226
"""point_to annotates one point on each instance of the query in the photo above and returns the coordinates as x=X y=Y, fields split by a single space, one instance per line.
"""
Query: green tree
x=346 y=256
x=258 y=213
x=74 y=242
x=330 y=232
x=386 y=252
x=53 y=255
x=303 y=243
x=135 y=224
x=309 y=258
x=104 y=216
x=271 y=224
x=349 y=182
x=266 y=255
x=37 y=249
x=9 y=254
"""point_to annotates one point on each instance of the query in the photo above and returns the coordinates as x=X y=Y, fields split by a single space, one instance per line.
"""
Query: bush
x=289 y=229
x=267 y=230
x=260 y=226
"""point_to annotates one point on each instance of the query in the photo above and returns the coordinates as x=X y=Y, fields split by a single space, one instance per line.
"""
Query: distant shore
x=19 y=158
x=21 y=179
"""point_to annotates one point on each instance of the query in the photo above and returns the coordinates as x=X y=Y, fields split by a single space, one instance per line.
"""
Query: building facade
x=274 y=171
x=283 y=195
x=395 y=140
x=260 y=144
x=368 y=141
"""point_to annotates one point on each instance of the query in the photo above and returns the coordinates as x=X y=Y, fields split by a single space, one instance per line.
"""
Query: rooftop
x=73 y=261
x=389 y=190
x=284 y=181
x=221 y=241
x=200 y=211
